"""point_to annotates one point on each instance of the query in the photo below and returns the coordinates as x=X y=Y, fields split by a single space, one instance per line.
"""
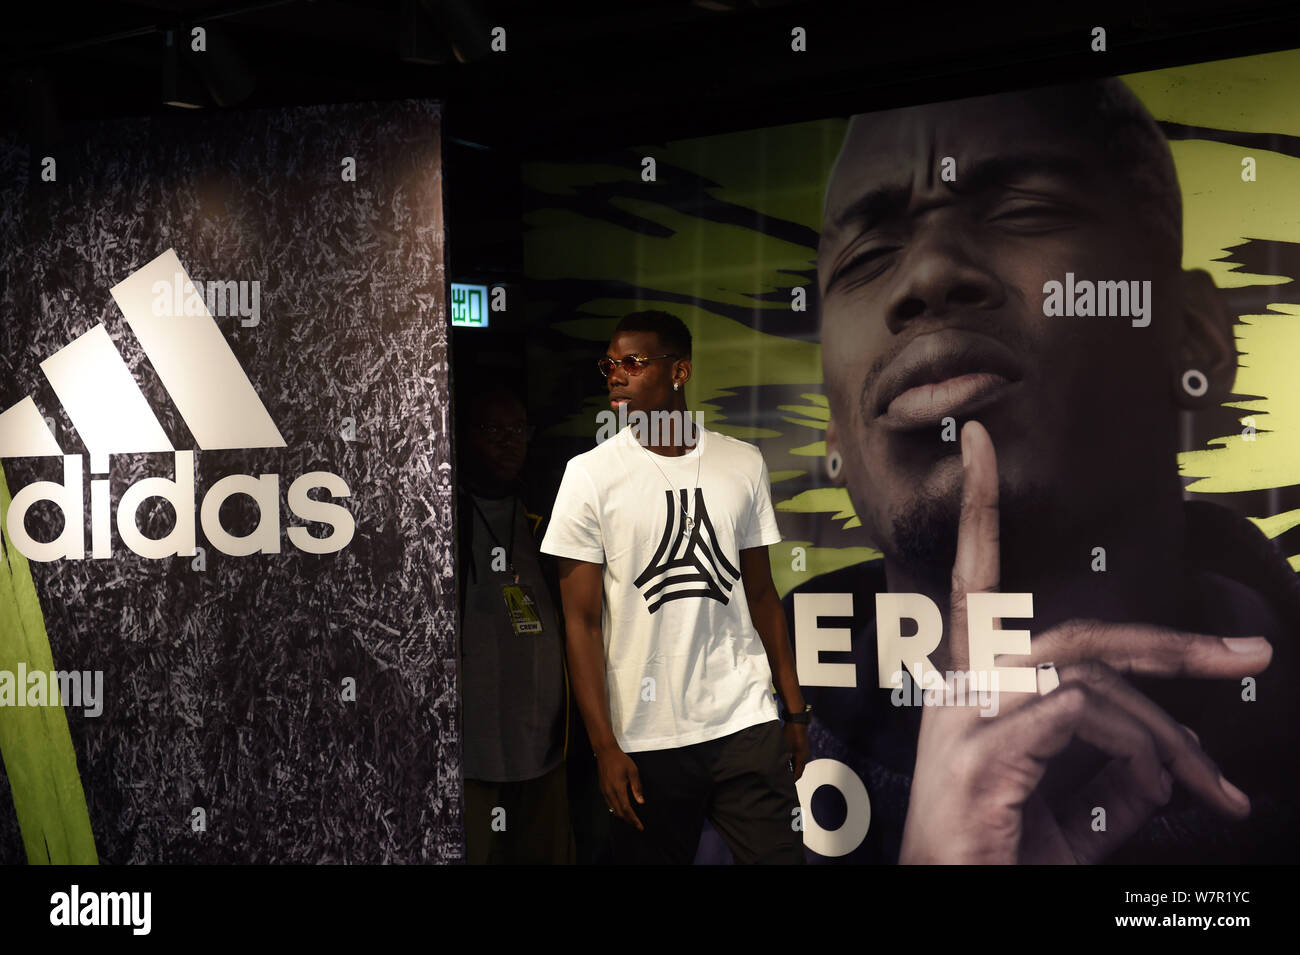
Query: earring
x=676 y=386
x=834 y=464
x=1195 y=384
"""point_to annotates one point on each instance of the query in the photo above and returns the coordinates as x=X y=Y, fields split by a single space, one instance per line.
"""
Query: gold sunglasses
x=631 y=364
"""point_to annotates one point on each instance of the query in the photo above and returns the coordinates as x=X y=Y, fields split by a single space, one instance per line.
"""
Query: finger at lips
x=976 y=568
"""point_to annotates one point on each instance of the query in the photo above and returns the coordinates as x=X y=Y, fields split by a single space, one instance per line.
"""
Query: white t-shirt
x=683 y=661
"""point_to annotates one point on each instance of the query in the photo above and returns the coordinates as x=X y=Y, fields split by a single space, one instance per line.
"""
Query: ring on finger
x=1048 y=678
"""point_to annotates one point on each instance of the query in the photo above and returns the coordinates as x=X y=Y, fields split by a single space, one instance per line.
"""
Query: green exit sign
x=469 y=305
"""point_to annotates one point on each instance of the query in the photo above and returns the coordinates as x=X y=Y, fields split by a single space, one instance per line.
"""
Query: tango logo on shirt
x=688 y=561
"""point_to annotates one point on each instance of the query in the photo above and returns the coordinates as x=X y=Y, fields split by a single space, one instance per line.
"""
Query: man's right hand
x=975 y=793
x=618 y=775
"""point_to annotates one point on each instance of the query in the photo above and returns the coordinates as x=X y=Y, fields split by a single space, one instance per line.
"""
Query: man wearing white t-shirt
x=675 y=632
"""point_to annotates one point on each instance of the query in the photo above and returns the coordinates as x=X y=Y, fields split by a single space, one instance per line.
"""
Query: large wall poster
x=273 y=631
x=1155 y=408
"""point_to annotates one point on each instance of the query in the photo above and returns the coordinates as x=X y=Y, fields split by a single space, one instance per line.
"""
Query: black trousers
x=523 y=823
x=742 y=783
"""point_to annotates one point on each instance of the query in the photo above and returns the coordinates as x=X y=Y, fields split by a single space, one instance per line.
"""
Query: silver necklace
x=690 y=521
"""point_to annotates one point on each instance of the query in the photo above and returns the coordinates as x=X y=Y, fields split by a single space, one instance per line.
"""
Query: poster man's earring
x=834 y=464
x=676 y=385
x=1195 y=384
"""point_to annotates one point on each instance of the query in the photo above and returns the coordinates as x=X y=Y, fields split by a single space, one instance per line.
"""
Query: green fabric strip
x=35 y=743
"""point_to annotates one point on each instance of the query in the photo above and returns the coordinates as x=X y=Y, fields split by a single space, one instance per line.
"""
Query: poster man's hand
x=975 y=791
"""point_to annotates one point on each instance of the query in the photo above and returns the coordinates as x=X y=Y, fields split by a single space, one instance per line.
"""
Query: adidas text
x=69 y=498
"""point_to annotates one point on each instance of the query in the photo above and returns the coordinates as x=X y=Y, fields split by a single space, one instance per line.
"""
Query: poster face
x=226 y=492
x=1020 y=370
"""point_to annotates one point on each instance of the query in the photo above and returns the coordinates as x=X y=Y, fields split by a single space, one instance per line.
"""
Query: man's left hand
x=796 y=737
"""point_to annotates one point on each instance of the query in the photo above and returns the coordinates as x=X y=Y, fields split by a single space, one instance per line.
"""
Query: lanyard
x=491 y=533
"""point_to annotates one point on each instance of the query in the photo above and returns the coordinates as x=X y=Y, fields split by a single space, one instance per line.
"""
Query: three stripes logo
x=688 y=561
x=215 y=399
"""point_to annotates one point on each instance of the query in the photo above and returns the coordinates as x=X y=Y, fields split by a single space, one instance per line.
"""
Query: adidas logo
x=216 y=400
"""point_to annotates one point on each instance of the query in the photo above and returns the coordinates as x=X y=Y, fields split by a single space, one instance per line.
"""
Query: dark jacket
x=537 y=521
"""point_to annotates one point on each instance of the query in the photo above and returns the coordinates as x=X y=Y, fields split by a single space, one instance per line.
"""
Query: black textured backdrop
x=223 y=687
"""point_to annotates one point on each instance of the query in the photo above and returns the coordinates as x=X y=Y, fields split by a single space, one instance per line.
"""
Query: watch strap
x=803 y=716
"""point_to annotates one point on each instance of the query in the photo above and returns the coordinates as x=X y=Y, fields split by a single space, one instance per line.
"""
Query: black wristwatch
x=802 y=717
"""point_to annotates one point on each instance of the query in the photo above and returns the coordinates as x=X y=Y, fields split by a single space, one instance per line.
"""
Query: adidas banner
x=226 y=496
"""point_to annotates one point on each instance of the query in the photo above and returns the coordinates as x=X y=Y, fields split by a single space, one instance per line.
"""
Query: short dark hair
x=672 y=331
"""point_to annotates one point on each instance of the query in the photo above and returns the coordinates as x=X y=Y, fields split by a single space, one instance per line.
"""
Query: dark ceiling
x=580 y=77
x=578 y=72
